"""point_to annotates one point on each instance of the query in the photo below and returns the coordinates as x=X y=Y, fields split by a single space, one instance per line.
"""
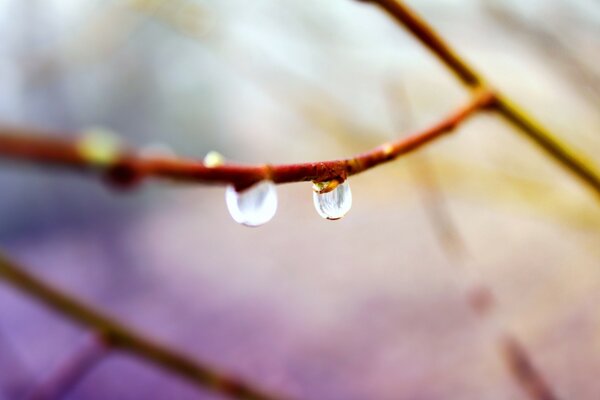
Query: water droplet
x=336 y=202
x=99 y=146
x=253 y=206
x=213 y=159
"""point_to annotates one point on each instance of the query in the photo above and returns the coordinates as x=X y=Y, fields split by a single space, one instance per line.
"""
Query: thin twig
x=432 y=196
x=524 y=371
x=480 y=297
x=12 y=384
x=431 y=39
x=67 y=374
x=554 y=46
x=569 y=159
x=129 y=167
x=120 y=337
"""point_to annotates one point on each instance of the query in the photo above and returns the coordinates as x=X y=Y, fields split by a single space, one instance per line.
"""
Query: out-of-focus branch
x=13 y=384
x=546 y=140
x=118 y=336
x=569 y=159
x=582 y=76
x=128 y=167
x=480 y=297
x=67 y=374
x=430 y=39
x=524 y=371
x=432 y=196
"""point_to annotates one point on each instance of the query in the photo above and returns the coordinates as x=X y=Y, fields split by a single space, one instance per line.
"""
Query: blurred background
x=371 y=307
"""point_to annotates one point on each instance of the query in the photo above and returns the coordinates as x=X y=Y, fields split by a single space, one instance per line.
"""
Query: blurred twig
x=66 y=375
x=20 y=376
x=187 y=17
x=518 y=193
x=479 y=296
x=545 y=139
x=524 y=371
x=121 y=337
x=424 y=174
x=583 y=77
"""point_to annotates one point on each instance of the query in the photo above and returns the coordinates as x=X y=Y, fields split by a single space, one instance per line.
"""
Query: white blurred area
x=367 y=308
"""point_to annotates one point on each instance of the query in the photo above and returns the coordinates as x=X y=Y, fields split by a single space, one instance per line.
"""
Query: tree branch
x=118 y=336
x=68 y=373
x=547 y=141
x=129 y=167
x=550 y=40
x=430 y=39
x=480 y=297
x=524 y=371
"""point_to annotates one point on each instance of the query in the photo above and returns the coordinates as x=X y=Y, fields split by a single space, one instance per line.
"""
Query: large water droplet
x=335 y=203
x=253 y=206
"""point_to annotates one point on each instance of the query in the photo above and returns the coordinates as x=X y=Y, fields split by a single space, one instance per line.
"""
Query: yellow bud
x=99 y=146
x=213 y=159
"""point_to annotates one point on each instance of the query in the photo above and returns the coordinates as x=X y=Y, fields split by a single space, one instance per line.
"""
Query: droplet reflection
x=333 y=204
x=254 y=206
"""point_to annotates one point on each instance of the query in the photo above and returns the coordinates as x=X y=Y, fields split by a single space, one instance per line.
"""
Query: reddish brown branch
x=129 y=167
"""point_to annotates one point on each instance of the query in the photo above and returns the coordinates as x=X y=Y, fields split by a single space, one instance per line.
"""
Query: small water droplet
x=333 y=204
x=99 y=146
x=213 y=159
x=253 y=206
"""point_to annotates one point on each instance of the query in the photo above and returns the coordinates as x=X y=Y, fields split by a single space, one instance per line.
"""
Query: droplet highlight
x=254 y=206
x=332 y=204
